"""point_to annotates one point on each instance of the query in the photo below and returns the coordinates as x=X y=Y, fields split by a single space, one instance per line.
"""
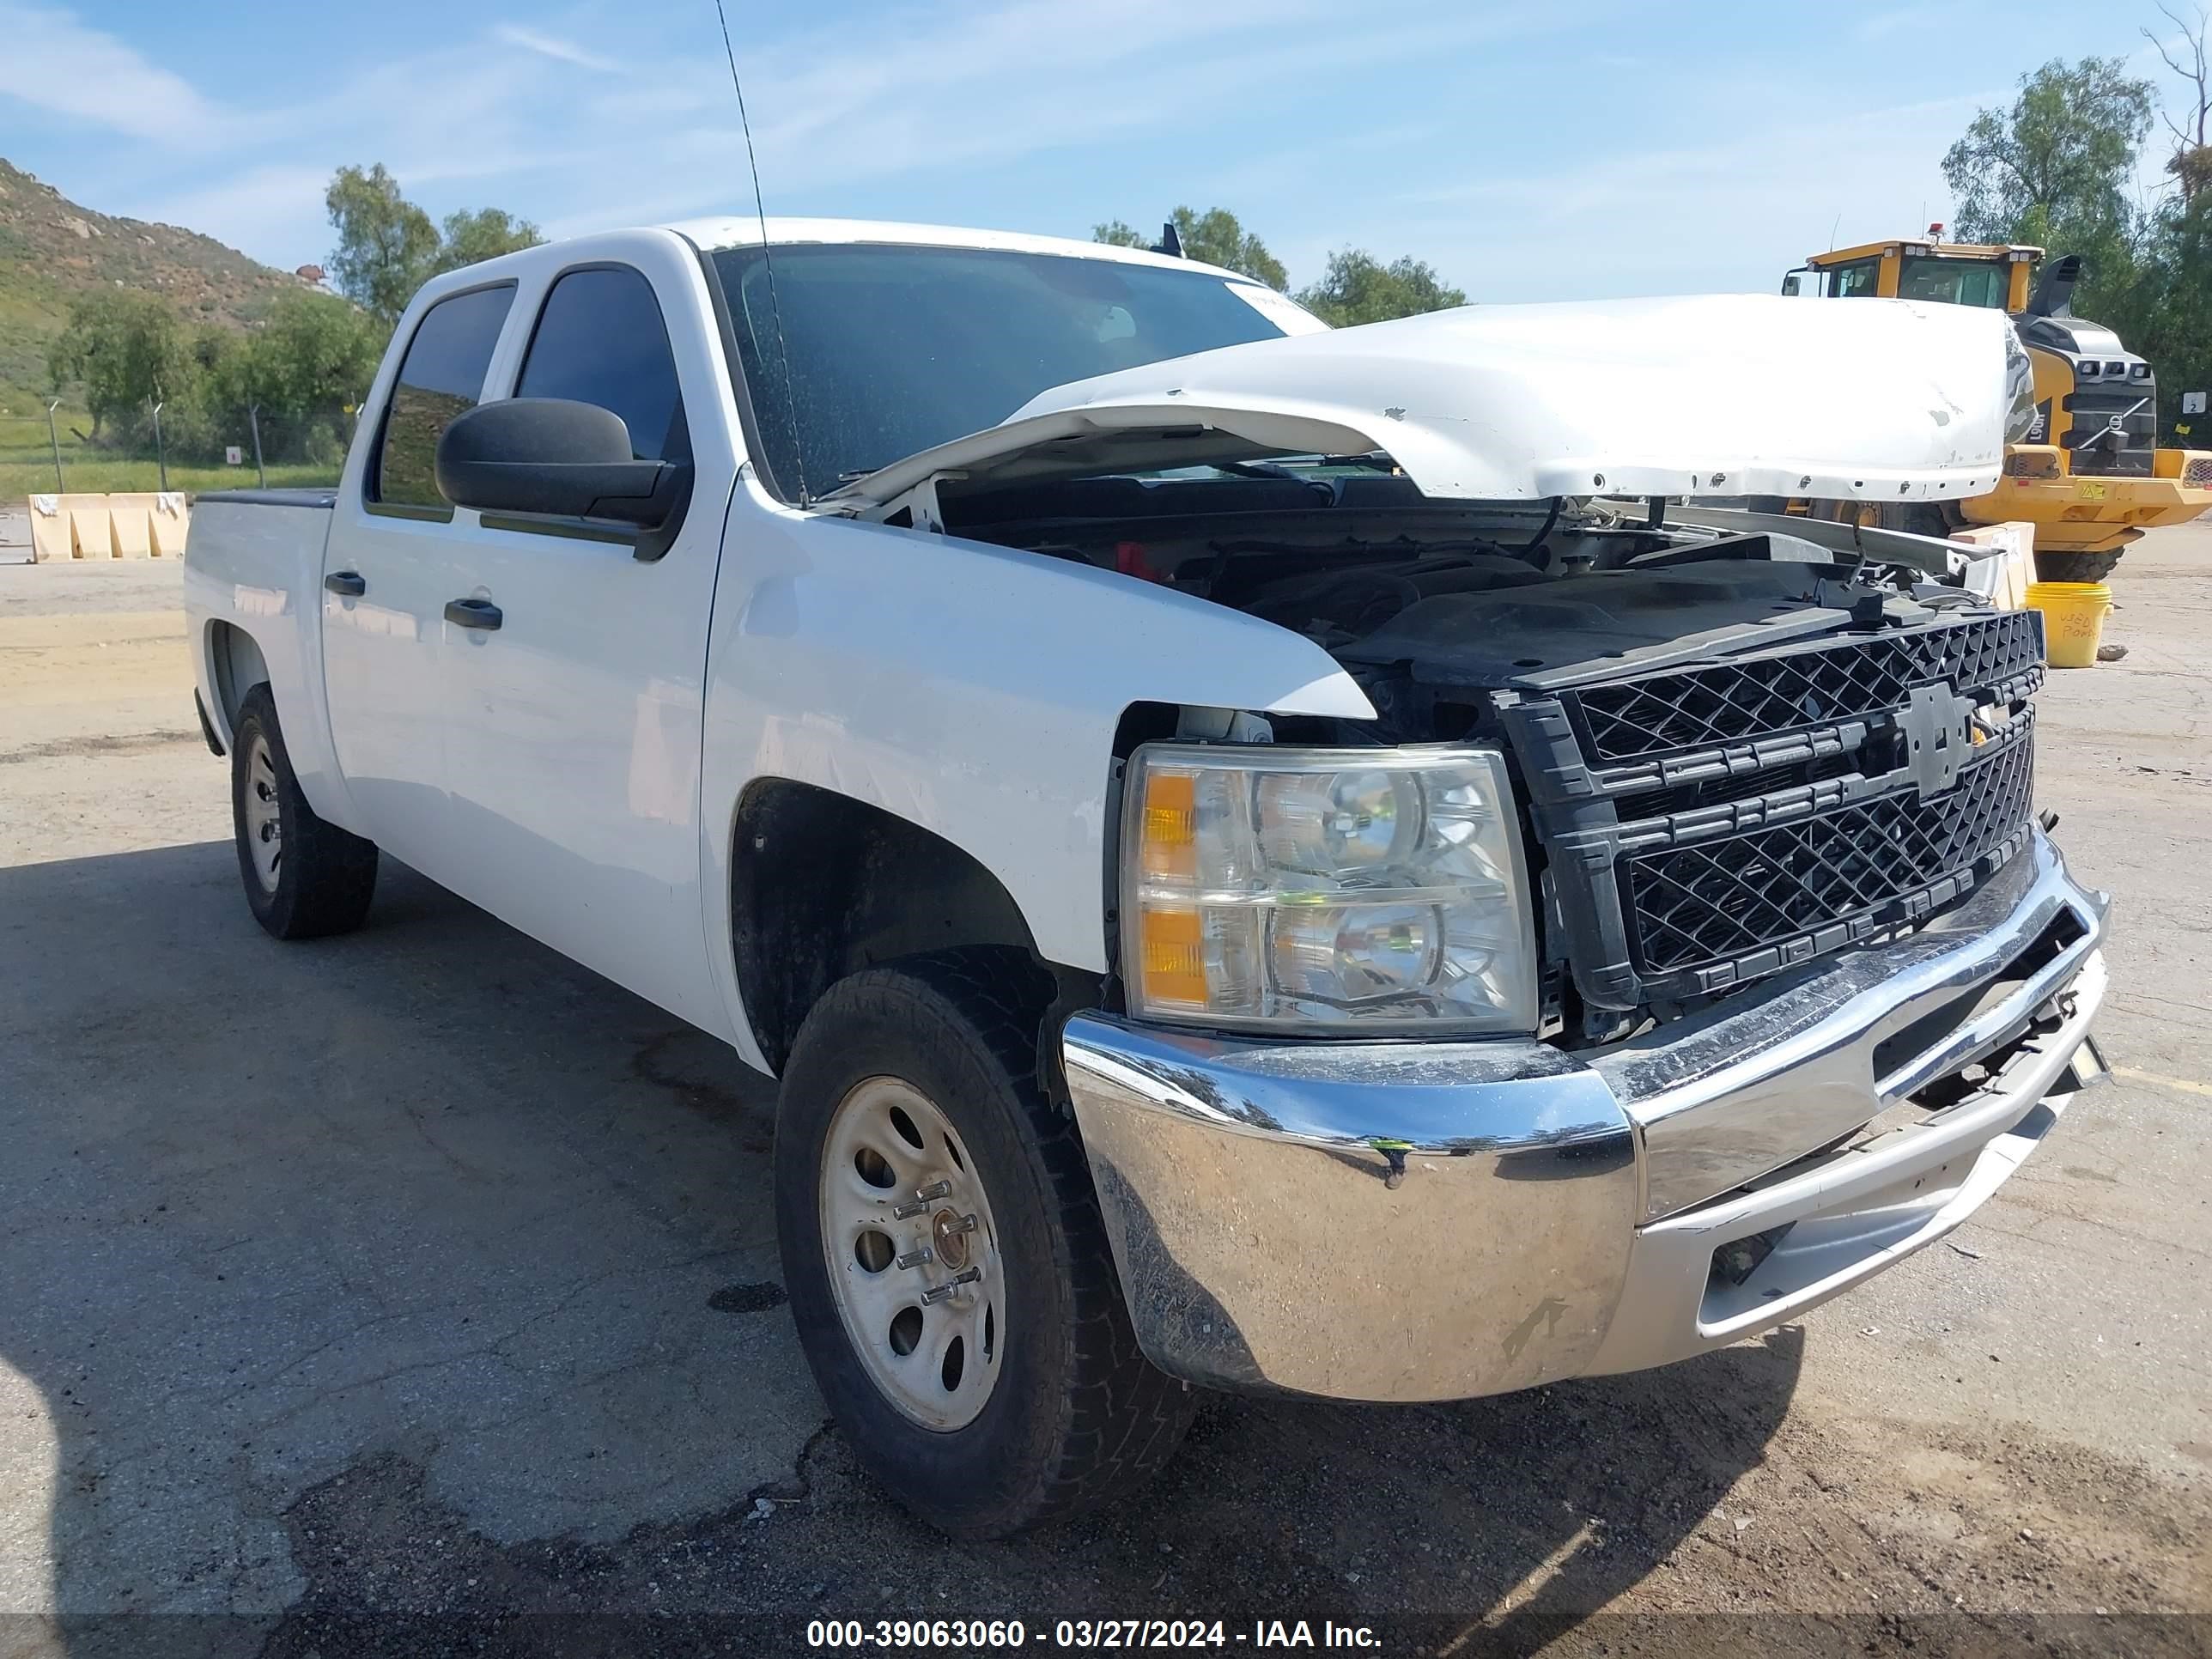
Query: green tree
x=128 y=349
x=2172 y=324
x=1358 y=288
x=483 y=234
x=316 y=354
x=386 y=245
x=1214 y=237
x=2056 y=168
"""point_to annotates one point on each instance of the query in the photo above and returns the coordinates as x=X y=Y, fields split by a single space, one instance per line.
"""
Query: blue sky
x=1568 y=150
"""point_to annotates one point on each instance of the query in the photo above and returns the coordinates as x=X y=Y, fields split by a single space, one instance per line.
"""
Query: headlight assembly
x=1357 y=890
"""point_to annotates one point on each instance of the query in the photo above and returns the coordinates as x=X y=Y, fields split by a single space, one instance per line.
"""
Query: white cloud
x=562 y=52
x=939 y=90
x=263 y=210
x=1728 y=215
x=59 y=64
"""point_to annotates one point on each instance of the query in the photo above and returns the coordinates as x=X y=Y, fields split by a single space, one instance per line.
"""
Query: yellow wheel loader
x=2089 y=475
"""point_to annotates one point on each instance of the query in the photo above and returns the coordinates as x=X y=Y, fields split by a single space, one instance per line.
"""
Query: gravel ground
x=418 y=1290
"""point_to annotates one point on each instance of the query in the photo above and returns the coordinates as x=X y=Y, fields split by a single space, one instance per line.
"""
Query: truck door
x=572 y=750
x=387 y=573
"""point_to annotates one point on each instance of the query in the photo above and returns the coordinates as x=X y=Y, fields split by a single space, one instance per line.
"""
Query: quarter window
x=600 y=340
x=440 y=377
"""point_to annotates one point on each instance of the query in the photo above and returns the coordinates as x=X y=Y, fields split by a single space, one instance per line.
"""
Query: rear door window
x=441 y=377
x=600 y=340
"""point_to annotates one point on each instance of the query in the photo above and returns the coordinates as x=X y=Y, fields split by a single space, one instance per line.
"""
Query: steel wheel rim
x=264 y=815
x=922 y=1294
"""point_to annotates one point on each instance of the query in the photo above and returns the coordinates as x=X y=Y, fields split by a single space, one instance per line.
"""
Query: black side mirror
x=552 y=458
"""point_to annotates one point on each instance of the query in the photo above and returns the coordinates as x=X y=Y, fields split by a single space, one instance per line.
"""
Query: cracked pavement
x=356 y=1288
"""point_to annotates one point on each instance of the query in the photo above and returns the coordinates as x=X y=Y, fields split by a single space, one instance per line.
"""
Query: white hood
x=1717 y=395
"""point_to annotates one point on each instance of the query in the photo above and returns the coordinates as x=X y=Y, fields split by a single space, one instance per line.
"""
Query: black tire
x=326 y=875
x=1922 y=518
x=1077 y=1417
x=2075 y=567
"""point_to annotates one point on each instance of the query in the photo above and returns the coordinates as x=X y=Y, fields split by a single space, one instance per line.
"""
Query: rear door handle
x=472 y=613
x=346 y=582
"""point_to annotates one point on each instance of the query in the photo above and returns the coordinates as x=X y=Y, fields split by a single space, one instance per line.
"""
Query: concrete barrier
x=2016 y=541
x=168 y=522
x=132 y=525
x=50 y=529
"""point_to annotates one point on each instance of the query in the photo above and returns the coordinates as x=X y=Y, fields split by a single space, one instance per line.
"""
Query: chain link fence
x=222 y=450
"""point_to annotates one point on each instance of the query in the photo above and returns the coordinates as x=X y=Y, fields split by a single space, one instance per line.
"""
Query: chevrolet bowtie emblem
x=1938 y=725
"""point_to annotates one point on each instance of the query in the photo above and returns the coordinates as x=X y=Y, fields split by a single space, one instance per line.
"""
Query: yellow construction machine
x=2090 y=476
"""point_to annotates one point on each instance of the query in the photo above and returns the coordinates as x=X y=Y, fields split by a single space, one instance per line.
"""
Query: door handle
x=472 y=613
x=347 y=583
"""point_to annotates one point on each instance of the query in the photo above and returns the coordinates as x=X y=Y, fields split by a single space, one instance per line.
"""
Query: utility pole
x=161 y=449
x=253 y=415
x=59 y=485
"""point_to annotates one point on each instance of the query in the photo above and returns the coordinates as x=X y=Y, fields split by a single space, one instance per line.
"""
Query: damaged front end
x=1805 y=983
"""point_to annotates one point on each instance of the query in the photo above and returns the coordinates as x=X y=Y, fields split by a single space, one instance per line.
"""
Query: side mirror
x=552 y=458
x=1790 y=288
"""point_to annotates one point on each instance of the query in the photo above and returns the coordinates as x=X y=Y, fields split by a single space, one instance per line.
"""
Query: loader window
x=1954 y=282
x=1854 y=280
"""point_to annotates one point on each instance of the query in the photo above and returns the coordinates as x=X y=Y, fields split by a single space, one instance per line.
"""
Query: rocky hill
x=52 y=251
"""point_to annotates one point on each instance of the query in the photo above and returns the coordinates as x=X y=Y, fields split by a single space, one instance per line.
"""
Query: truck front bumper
x=1406 y=1221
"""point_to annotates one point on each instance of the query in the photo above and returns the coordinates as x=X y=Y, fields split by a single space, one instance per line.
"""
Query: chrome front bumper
x=1400 y=1221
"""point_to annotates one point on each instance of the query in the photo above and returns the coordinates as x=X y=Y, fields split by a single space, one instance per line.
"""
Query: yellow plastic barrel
x=2073 y=620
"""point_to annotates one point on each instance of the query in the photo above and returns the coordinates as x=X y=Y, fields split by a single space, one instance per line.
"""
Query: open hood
x=1717 y=395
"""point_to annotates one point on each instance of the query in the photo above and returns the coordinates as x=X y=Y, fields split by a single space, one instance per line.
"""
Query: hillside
x=52 y=251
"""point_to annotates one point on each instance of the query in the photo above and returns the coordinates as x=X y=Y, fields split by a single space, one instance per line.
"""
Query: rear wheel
x=304 y=878
x=945 y=1255
x=2075 y=567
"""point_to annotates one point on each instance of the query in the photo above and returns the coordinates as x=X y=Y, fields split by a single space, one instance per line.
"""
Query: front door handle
x=472 y=613
x=346 y=583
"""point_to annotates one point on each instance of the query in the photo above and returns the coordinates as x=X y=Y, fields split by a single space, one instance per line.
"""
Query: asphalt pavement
x=389 y=1292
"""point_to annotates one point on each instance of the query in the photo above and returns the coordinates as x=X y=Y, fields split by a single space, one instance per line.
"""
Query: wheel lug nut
x=917 y=1258
x=966 y=1223
x=923 y=1198
x=937 y=1293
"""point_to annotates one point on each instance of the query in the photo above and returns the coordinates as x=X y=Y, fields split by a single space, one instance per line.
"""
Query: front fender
x=971 y=689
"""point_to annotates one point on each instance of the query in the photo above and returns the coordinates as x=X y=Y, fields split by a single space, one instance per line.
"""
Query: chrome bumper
x=1437 y=1220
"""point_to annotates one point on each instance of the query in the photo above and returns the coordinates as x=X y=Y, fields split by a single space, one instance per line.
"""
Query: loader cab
x=1991 y=275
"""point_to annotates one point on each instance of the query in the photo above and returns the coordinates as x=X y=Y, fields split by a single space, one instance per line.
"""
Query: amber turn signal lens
x=1174 y=957
x=1171 y=824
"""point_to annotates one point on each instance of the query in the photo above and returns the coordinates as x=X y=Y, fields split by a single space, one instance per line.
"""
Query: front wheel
x=945 y=1259
x=2074 y=566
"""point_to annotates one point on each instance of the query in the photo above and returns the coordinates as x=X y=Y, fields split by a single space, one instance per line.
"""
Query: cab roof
x=1992 y=252
x=743 y=230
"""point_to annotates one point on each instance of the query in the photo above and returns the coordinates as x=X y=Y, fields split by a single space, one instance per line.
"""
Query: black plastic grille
x=2095 y=453
x=1762 y=695
x=1725 y=899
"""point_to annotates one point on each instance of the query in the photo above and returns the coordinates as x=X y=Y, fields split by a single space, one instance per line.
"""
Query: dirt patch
x=127 y=743
x=98 y=658
x=1585 y=1519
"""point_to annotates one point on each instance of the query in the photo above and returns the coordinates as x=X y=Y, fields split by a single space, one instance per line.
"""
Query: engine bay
x=1433 y=607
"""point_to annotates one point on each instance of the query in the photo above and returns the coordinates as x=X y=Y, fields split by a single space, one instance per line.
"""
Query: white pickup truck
x=1263 y=858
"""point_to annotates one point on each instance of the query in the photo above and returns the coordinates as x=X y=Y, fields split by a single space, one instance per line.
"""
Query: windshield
x=1954 y=282
x=895 y=348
